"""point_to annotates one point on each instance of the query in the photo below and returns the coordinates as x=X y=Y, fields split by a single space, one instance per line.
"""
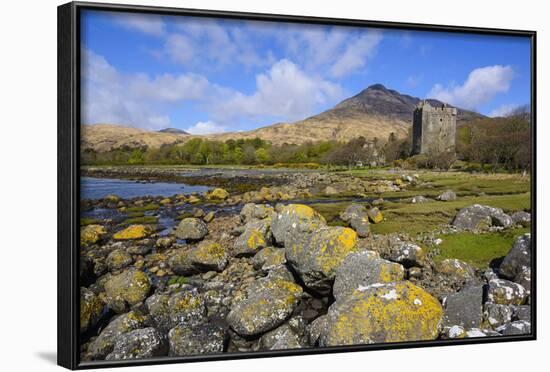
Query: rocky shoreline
x=273 y=275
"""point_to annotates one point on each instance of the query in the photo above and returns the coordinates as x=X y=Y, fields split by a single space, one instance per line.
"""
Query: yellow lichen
x=133 y=232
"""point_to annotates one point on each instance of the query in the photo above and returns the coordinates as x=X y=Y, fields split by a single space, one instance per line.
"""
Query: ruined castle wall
x=434 y=129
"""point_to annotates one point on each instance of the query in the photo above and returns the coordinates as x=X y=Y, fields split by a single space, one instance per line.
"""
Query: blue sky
x=205 y=76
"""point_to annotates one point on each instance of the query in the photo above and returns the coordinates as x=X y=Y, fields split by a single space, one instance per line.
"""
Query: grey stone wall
x=434 y=129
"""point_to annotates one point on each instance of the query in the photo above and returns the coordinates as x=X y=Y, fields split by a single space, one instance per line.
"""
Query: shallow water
x=96 y=188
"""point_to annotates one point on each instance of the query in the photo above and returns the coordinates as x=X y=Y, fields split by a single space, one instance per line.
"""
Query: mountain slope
x=374 y=112
x=106 y=137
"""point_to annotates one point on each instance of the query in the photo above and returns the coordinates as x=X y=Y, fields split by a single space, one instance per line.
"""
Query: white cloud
x=207 y=127
x=179 y=48
x=285 y=91
x=503 y=110
x=356 y=54
x=145 y=23
x=479 y=88
x=109 y=96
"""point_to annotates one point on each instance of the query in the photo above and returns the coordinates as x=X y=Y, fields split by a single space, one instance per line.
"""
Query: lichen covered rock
x=127 y=289
x=118 y=259
x=505 y=292
x=217 y=194
x=362 y=269
x=293 y=222
x=187 y=307
x=375 y=216
x=517 y=258
x=456 y=268
x=407 y=254
x=91 y=234
x=390 y=312
x=140 y=343
x=256 y=235
x=105 y=342
x=91 y=308
x=269 y=302
x=318 y=257
x=133 y=232
x=480 y=217
x=191 y=229
x=269 y=258
x=464 y=308
x=197 y=340
x=290 y=335
x=208 y=255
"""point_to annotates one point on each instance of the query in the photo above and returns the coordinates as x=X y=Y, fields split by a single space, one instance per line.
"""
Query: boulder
x=480 y=217
x=497 y=315
x=519 y=327
x=353 y=211
x=361 y=269
x=209 y=217
x=448 y=195
x=505 y=292
x=293 y=222
x=524 y=279
x=187 y=307
x=522 y=312
x=191 y=229
x=140 y=343
x=269 y=302
x=251 y=211
x=269 y=258
x=391 y=312
x=91 y=234
x=419 y=199
x=127 y=289
x=318 y=257
x=407 y=254
x=103 y=345
x=518 y=257
x=521 y=218
x=157 y=306
x=464 y=308
x=330 y=191
x=133 y=232
x=200 y=339
x=290 y=335
x=91 y=309
x=315 y=329
x=217 y=194
x=256 y=235
x=361 y=226
x=455 y=268
x=455 y=331
x=207 y=256
x=118 y=259
x=375 y=216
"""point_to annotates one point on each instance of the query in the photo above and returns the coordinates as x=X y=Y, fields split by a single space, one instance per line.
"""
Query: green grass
x=143 y=220
x=143 y=208
x=85 y=221
x=477 y=249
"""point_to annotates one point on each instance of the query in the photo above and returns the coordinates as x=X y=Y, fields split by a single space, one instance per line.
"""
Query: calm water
x=96 y=188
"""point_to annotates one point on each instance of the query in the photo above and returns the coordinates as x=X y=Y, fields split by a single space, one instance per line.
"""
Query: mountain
x=173 y=131
x=374 y=112
x=106 y=137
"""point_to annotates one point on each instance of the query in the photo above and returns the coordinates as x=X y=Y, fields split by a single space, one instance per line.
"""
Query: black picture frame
x=68 y=93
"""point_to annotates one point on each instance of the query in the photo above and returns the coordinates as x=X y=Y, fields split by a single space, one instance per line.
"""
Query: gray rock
x=256 y=235
x=91 y=309
x=269 y=302
x=521 y=218
x=294 y=222
x=251 y=211
x=505 y=292
x=127 y=289
x=519 y=327
x=187 y=307
x=290 y=335
x=518 y=257
x=361 y=226
x=197 y=340
x=407 y=254
x=320 y=253
x=524 y=279
x=269 y=258
x=353 y=211
x=105 y=342
x=448 y=195
x=464 y=308
x=315 y=328
x=140 y=343
x=419 y=199
x=497 y=315
x=363 y=269
x=480 y=217
x=191 y=229
x=522 y=312
x=158 y=308
x=118 y=259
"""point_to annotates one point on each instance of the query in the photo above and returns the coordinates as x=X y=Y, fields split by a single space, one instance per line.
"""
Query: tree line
x=489 y=142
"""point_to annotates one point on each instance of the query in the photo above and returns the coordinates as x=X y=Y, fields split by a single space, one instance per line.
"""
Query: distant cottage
x=434 y=129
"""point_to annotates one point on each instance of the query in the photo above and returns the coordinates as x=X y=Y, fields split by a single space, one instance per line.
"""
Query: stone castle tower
x=434 y=129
